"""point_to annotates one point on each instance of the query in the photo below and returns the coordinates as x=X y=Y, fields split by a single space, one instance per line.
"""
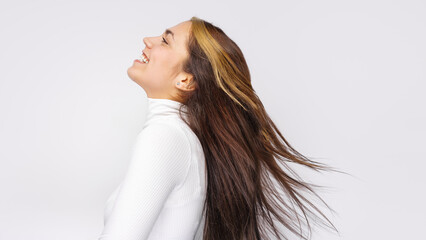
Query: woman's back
x=164 y=189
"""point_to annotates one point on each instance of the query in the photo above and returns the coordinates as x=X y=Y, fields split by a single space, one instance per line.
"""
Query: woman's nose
x=147 y=42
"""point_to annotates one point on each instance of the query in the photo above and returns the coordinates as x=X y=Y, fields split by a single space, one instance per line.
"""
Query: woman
x=202 y=165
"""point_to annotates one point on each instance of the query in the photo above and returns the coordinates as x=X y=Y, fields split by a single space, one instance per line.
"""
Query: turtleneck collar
x=161 y=107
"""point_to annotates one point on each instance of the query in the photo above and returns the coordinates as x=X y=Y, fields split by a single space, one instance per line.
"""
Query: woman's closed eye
x=164 y=40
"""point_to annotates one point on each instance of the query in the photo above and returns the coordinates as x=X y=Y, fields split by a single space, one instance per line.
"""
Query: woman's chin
x=131 y=73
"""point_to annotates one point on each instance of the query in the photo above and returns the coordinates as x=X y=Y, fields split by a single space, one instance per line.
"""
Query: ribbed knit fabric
x=162 y=193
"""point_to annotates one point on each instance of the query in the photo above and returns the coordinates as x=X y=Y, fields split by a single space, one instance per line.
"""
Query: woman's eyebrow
x=168 y=31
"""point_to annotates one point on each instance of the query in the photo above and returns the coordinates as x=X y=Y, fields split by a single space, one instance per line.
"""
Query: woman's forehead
x=180 y=32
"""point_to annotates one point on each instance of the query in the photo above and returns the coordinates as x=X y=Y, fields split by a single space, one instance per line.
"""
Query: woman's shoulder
x=172 y=130
x=164 y=129
x=166 y=122
x=163 y=145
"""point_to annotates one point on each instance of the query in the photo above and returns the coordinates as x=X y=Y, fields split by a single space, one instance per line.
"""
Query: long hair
x=242 y=146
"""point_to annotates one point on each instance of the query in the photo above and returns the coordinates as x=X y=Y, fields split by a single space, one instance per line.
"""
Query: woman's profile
x=203 y=164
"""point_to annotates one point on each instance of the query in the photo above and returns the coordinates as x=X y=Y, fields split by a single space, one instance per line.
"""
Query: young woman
x=202 y=167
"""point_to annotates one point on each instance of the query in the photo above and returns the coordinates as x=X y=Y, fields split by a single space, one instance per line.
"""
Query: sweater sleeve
x=159 y=163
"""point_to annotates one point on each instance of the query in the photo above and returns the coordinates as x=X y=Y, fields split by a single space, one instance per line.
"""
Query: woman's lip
x=139 y=61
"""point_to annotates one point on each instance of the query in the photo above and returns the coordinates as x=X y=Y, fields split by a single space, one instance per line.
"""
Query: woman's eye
x=164 y=40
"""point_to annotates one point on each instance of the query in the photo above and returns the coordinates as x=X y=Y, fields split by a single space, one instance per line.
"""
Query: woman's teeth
x=144 y=59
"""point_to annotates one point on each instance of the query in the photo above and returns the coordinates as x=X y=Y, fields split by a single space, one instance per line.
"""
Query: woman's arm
x=160 y=161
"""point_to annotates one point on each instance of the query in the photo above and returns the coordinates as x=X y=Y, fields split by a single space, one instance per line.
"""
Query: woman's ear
x=186 y=83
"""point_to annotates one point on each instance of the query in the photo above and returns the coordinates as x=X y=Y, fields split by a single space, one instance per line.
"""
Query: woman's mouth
x=144 y=58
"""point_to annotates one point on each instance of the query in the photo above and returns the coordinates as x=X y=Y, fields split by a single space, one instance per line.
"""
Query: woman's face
x=166 y=55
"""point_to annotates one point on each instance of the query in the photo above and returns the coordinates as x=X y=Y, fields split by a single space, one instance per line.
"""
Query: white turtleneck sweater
x=162 y=194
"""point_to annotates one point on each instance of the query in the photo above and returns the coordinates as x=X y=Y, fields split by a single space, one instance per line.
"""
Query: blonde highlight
x=226 y=72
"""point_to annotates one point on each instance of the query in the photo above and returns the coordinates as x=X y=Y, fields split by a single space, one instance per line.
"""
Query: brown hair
x=242 y=146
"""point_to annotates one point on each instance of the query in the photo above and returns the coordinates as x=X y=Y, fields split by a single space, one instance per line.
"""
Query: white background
x=343 y=80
